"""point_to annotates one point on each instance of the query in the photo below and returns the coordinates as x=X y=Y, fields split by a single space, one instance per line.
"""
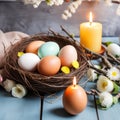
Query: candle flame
x=91 y=18
x=74 y=81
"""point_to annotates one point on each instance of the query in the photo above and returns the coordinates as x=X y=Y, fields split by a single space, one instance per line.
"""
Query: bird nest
x=36 y=82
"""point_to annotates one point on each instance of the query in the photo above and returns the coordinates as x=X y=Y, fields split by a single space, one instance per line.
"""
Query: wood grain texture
x=20 y=17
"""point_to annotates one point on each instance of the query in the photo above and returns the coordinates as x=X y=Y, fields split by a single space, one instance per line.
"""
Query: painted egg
x=32 y=47
x=49 y=65
x=48 y=48
x=28 y=61
x=114 y=49
x=67 y=55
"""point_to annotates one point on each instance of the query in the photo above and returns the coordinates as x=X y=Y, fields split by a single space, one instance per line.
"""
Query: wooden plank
x=56 y=111
x=110 y=114
x=27 y=108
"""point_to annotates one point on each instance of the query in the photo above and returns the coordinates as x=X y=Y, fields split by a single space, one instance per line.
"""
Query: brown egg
x=32 y=47
x=49 y=65
x=74 y=99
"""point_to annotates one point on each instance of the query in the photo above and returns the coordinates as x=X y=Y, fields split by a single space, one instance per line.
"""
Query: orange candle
x=91 y=35
x=74 y=98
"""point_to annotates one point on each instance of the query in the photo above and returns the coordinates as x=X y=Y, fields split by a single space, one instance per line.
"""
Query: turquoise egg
x=48 y=48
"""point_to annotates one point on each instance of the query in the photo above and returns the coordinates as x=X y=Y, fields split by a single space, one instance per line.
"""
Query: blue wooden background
x=20 y=17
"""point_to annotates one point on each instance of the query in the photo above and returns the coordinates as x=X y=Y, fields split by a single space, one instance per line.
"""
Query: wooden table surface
x=51 y=107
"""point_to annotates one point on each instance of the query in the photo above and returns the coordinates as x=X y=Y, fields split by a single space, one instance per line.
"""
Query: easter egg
x=33 y=46
x=114 y=49
x=28 y=61
x=67 y=55
x=49 y=65
x=48 y=48
x=74 y=99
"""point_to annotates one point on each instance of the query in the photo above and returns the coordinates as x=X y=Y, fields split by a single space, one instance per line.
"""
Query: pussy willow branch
x=93 y=92
x=113 y=58
x=108 y=64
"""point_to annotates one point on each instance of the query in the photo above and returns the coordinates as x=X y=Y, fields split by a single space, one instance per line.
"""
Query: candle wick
x=74 y=85
x=90 y=23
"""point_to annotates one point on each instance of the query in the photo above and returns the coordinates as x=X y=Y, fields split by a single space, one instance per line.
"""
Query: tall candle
x=91 y=35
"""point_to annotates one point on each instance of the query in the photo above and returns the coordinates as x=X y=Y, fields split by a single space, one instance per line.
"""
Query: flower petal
x=104 y=84
x=75 y=64
x=65 y=69
x=19 y=91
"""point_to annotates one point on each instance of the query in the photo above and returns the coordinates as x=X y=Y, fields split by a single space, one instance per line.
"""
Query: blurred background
x=15 y=16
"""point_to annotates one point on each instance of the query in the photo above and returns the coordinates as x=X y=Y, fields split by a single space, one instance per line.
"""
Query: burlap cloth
x=6 y=40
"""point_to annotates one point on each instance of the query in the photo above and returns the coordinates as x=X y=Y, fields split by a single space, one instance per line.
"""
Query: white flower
x=75 y=5
x=8 y=85
x=114 y=49
x=67 y=13
x=106 y=99
x=19 y=91
x=35 y=5
x=65 y=17
x=55 y=2
x=113 y=73
x=58 y=2
x=71 y=9
x=91 y=75
x=104 y=84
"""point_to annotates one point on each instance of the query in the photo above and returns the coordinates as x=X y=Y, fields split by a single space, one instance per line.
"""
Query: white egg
x=114 y=49
x=28 y=61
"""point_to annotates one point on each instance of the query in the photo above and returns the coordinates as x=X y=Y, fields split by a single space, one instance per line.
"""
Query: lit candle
x=91 y=35
x=74 y=98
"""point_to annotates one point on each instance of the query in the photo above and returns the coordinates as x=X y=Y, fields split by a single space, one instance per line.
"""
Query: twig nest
x=35 y=81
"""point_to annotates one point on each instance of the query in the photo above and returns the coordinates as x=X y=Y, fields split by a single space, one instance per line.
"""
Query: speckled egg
x=48 y=48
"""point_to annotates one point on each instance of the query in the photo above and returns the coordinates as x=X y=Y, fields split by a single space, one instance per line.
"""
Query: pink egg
x=67 y=55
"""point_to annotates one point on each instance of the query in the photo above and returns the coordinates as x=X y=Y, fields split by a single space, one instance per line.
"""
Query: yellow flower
x=20 y=54
x=65 y=69
x=75 y=64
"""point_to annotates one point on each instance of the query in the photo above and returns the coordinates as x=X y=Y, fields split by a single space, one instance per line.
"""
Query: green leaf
x=117 y=56
x=72 y=35
x=115 y=100
x=97 y=102
x=105 y=108
x=116 y=88
x=108 y=43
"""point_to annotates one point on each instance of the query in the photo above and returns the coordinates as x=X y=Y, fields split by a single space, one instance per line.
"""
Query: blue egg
x=48 y=48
